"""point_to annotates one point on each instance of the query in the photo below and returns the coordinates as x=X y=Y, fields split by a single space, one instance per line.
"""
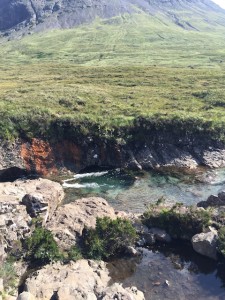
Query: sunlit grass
x=111 y=96
x=125 y=40
x=109 y=74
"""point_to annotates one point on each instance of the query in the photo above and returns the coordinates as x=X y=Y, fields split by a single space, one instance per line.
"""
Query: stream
x=171 y=271
x=133 y=192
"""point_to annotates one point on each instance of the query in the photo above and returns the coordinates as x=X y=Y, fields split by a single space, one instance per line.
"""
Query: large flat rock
x=84 y=279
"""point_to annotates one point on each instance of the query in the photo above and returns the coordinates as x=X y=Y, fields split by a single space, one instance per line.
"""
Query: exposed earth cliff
x=152 y=150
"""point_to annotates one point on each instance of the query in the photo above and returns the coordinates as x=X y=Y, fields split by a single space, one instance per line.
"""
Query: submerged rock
x=146 y=237
x=213 y=200
x=206 y=243
x=160 y=235
x=116 y=291
x=84 y=279
x=132 y=251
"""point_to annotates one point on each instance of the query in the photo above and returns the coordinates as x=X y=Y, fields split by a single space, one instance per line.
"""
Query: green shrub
x=221 y=240
x=178 y=221
x=109 y=238
x=41 y=247
x=74 y=253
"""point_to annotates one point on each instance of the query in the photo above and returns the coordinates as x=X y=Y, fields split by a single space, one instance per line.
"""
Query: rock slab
x=34 y=194
x=68 y=222
x=84 y=279
x=14 y=216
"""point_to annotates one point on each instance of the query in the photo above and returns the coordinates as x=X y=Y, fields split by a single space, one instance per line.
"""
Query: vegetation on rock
x=74 y=254
x=41 y=248
x=178 y=221
x=9 y=276
x=110 y=238
x=221 y=240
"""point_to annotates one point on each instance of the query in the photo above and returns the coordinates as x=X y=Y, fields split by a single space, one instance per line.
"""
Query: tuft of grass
x=74 y=254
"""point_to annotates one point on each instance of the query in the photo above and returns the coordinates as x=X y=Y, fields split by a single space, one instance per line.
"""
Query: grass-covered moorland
x=34 y=96
x=106 y=75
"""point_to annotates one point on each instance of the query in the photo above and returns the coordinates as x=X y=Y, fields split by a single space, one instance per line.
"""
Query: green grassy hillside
x=108 y=74
x=137 y=39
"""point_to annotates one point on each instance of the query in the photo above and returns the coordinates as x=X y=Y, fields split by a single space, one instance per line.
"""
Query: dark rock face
x=46 y=14
x=12 y=13
x=213 y=201
x=11 y=174
x=56 y=14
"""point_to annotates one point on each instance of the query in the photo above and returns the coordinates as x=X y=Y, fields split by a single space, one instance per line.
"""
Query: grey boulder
x=206 y=243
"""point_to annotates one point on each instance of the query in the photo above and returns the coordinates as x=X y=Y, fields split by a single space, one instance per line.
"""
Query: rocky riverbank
x=24 y=201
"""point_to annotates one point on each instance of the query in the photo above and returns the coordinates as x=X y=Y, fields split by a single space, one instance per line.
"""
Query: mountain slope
x=124 y=40
x=39 y=15
x=165 y=32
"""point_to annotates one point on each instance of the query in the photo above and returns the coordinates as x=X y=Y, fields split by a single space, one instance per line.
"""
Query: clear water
x=173 y=272
x=190 y=275
x=134 y=191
